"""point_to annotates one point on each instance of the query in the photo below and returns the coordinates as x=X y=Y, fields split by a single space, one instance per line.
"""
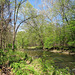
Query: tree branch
x=25 y=22
x=19 y=4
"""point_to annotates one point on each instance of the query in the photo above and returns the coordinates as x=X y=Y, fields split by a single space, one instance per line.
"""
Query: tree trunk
x=14 y=33
x=14 y=36
x=1 y=25
x=1 y=41
x=42 y=44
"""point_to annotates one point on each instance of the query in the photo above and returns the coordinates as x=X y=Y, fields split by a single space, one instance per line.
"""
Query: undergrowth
x=22 y=64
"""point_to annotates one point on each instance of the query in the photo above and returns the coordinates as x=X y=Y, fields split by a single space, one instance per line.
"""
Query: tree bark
x=14 y=36
x=1 y=40
x=2 y=16
x=16 y=9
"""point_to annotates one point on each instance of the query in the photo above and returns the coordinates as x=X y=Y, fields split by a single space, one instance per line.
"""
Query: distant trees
x=22 y=41
x=61 y=17
x=10 y=16
x=55 y=28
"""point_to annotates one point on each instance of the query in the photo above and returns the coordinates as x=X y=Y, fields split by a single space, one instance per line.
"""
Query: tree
x=16 y=12
x=4 y=23
x=22 y=39
x=60 y=13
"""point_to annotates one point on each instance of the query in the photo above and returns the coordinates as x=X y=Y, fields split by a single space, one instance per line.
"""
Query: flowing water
x=61 y=60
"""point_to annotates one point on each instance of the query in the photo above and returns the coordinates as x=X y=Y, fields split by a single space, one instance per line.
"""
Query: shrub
x=10 y=46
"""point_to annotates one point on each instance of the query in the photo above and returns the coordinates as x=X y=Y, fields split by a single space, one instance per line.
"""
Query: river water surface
x=61 y=60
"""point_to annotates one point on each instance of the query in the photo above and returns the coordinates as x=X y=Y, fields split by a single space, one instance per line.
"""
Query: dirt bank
x=64 y=52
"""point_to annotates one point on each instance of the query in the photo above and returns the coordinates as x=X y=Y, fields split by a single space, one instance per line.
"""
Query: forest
x=29 y=27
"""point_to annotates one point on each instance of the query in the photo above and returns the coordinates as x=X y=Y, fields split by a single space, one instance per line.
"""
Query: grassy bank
x=38 y=67
x=64 y=50
x=19 y=63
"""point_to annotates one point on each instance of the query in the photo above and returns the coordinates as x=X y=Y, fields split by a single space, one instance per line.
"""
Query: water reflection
x=61 y=60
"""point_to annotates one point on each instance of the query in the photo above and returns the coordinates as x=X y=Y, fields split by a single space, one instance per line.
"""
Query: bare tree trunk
x=2 y=8
x=14 y=33
x=16 y=9
x=14 y=36
x=1 y=39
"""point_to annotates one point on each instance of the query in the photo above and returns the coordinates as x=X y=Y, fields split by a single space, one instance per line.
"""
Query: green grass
x=18 y=62
x=38 y=67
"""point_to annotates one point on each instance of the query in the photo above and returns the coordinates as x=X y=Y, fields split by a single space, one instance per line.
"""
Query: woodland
x=50 y=26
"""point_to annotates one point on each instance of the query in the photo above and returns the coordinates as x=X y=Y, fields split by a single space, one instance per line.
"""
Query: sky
x=35 y=3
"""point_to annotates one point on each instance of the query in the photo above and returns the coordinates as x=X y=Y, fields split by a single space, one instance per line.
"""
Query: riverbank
x=64 y=52
x=68 y=52
x=36 y=62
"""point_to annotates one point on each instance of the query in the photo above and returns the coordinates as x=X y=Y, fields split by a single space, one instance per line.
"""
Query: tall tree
x=17 y=7
x=5 y=17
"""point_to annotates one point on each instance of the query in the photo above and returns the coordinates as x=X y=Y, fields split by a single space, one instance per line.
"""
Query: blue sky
x=35 y=3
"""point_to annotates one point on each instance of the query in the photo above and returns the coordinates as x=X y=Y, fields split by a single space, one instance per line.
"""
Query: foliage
x=53 y=28
x=2 y=54
x=22 y=40
x=18 y=62
x=38 y=68
x=11 y=57
x=23 y=69
x=10 y=46
x=48 y=43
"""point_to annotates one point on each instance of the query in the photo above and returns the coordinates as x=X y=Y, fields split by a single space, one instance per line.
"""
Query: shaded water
x=61 y=60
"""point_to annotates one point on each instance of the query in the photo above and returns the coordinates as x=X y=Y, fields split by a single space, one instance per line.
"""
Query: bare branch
x=20 y=3
x=25 y=22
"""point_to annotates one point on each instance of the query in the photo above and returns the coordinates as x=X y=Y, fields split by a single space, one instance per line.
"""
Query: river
x=61 y=60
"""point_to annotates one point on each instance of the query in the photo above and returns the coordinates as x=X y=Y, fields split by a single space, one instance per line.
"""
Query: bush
x=3 y=57
x=10 y=46
x=23 y=69
x=39 y=47
x=49 y=68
